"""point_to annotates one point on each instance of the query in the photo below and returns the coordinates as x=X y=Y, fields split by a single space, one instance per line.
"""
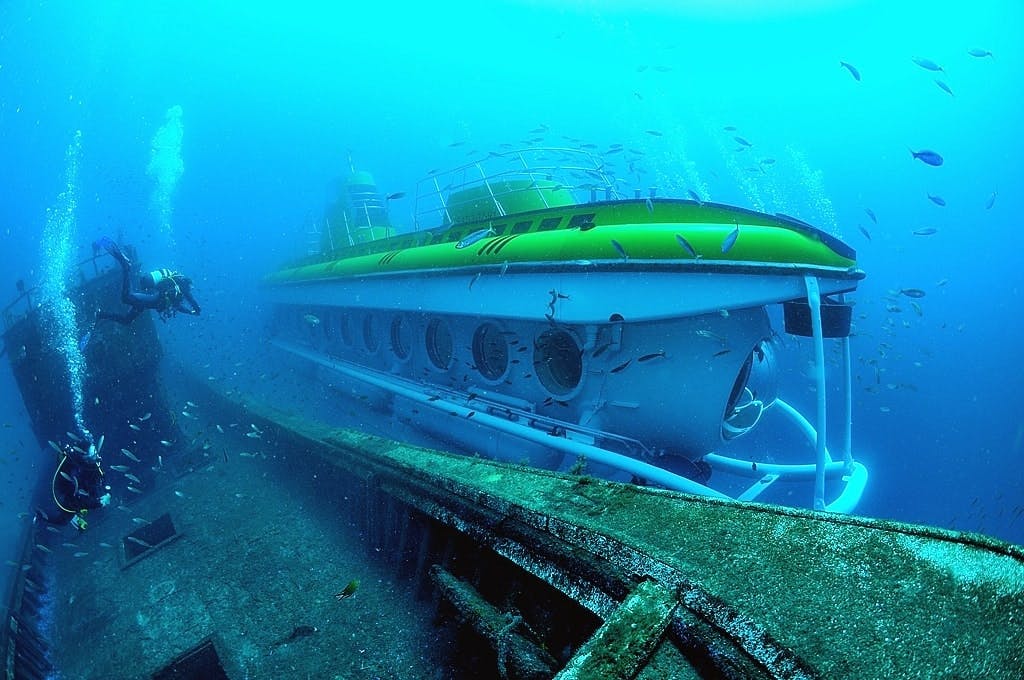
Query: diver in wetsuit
x=164 y=290
x=78 y=485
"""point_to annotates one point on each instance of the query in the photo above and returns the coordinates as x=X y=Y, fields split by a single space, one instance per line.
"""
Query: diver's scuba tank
x=153 y=278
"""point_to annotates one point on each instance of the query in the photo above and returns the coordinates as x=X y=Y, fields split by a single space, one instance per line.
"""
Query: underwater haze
x=212 y=135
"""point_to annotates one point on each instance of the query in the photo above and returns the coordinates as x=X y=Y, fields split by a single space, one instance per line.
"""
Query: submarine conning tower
x=359 y=214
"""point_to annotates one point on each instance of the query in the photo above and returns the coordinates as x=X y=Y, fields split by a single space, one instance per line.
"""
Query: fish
x=348 y=591
x=685 y=245
x=191 y=403
x=729 y=128
x=926 y=64
x=852 y=69
x=619 y=249
x=164 y=442
x=767 y=161
x=654 y=133
x=145 y=416
x=179 y=494
x=83 y=341
x=926 y=231
x=395 y=196
x=311 y=319
x=653 y=355
x=731 y=239
x=944 y=87
x=80 y=553
x=650 y=205
x=220 y=429
x=721 y=352
x=44 y=549
x=252 y=435
x=133 y=478
x=138 y=541
x=54 y=446
x=928 y=157
x=711 y=336
x=742 y=142
x=139 y=520
x=937 y=200
x=991 y=201
x=133 y=489
x=73 y=437
x=119 y=468
x=978 y=52
x=622 y=367
x=474 y=237
x=912 y=292
x=105 y=545
x=871 y=214
x=130 y=455
x=917 y=308
x=867 y=234
x=67 y=476
x=297 y=634
x=135 y=427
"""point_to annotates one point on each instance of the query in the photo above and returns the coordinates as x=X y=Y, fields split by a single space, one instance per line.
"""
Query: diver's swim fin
x=108 y=245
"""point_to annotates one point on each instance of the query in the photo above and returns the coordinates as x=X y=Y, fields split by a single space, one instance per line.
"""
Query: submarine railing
x=855 y=478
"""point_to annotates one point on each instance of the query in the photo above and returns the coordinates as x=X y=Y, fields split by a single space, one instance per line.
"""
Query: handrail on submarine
x=855 y=475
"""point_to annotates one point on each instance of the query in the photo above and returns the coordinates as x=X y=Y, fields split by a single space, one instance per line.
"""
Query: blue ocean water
x=256 y=109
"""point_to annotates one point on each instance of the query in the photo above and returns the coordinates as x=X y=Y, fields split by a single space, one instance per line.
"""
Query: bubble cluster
x=166 y=167
x=59 y=241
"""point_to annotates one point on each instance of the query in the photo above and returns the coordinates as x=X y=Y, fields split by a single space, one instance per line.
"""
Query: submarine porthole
x=371 y=333
x=401 y=337
x=558 y=361
x=345 y=328
x=439 y=344
x=329 y=326
x=490 y=351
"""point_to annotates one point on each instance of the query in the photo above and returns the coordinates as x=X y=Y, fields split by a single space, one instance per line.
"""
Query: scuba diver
x=77 y=485
x=164 y=290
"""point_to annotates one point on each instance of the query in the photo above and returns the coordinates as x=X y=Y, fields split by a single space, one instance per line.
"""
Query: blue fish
x=83 y=342
x=871 y=215
x=686 y=246
x=742 y=142
x=991 y=201
x=927 y=64
x=730 y=240
x=926 y=156
x=852 y=69
x=937 y=200
x=944 y=87
x=620 y=250
x=694 y=196
x=474 y=237
x=978 y=52
x=867 y=234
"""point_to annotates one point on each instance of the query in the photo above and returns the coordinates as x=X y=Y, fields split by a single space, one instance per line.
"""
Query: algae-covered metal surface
x=851 y=597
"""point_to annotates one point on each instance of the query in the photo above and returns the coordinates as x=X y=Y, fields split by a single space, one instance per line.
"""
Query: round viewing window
x=439 y=344
x=371 y=337
x=401 y=337
x=558 y=361
x=345 y=328
x=490 y=351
